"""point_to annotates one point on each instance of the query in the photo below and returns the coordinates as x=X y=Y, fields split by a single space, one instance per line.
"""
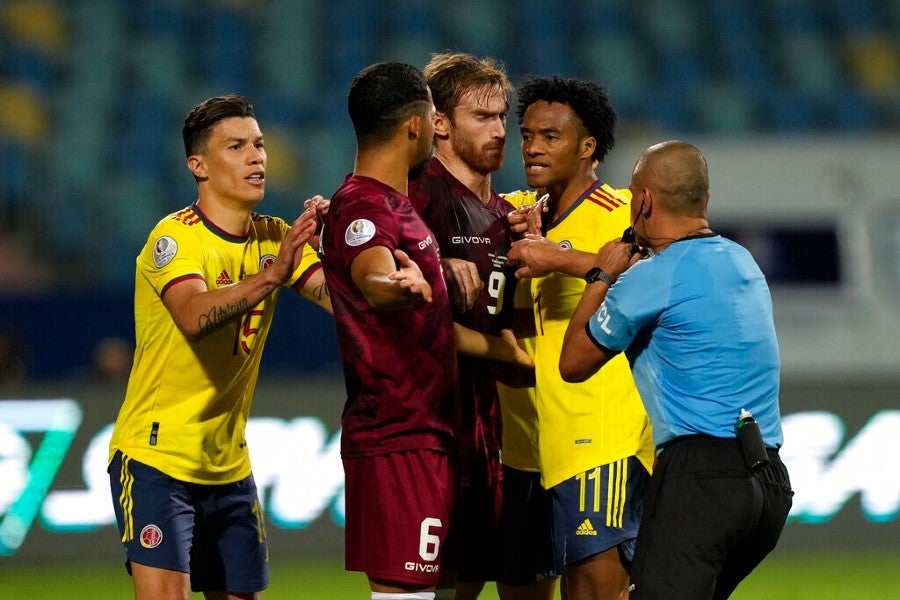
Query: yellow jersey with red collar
x=187 y=403
x=601 y=420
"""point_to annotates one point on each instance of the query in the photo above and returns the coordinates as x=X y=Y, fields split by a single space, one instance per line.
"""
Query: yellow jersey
x=601 y=420
x=519 y=446
x=187 y=403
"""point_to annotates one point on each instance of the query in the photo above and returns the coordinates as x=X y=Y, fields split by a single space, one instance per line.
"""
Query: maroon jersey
x=466 y=228
x=399 y=366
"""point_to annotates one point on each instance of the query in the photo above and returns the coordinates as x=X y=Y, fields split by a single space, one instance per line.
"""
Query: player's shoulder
x=355 y=186
x=610 y=197
x=620 y=192
x=177 y=222
x=358 y=191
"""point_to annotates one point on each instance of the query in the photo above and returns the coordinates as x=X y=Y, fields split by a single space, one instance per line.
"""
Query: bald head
x=676 y=173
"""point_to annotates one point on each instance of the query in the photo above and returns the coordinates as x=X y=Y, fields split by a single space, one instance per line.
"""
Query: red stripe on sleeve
x=179 y=280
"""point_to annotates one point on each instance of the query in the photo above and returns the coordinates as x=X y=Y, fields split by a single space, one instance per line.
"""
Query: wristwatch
x=598 y=274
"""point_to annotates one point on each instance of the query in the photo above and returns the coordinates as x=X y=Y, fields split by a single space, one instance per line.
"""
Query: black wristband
x=597 y=274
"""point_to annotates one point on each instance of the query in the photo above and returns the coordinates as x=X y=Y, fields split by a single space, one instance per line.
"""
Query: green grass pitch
x=780 y=577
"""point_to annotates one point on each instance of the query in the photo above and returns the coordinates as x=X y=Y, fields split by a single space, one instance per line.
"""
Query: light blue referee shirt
x=695 y=321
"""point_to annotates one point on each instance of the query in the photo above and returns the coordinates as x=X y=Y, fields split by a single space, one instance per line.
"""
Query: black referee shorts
x=708 y=521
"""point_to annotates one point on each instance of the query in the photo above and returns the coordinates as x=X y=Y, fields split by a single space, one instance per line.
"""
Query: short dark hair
x=588 y=100
x=199 y=123
x=382 y=96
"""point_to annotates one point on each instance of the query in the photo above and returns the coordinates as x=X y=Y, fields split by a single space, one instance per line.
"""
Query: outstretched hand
x=291 y=252
x=528 y=218
x=410 y=277
x=319 y=205
x=535 y=255
x=520 y=357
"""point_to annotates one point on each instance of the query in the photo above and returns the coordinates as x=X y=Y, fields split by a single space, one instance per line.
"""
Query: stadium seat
x=417 y=25
x=106 y=82
x=600 y=18
x=19 y=173
x=224 y=47
x=784 y=112
x=353 y=27
x=133 y=205
x=44 y=23
x=860 y=17
x=874 y=62
x=157 y=66
x=24 y=116
x=851 y=111
x=148 y=128
x=96 y=68
x=289 y=57
x=740 y=43
x=810 y=67
x=794 y=17
x=673 y=25
x=542 y=49
x=617 y=62
x=487 y=34
x=723 y=107
x=80 y=155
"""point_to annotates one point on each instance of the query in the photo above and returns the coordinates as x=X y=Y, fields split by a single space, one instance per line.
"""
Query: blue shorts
x=214 y=532
x=598 y=510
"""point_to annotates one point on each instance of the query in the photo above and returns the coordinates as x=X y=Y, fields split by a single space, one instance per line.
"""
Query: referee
x=694 y=319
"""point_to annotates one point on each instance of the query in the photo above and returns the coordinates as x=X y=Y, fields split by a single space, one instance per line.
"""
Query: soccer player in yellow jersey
x=530 y=568
x=594 y=439
x=207 y=281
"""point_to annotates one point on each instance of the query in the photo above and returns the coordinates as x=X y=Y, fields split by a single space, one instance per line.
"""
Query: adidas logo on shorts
x=586 y=528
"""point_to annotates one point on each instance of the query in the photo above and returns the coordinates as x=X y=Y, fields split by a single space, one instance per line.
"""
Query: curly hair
x=588 y=100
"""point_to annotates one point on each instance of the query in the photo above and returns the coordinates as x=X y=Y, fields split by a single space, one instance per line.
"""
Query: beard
x=426 y=150
x=484 y=160
x=418 y=169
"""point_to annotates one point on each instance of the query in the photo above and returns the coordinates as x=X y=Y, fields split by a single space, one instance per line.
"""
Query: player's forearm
x=581 y=357
x=540 y=257
x=316 y=291
x=481 y=345
x=473 y=343
x=207 y=311
x=574 y=262
x=384 y=294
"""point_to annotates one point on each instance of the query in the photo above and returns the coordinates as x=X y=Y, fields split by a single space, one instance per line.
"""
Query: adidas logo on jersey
x=224 y=278
x=586 y=528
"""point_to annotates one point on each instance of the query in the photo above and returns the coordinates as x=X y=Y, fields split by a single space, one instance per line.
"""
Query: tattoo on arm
x=220 y=315
x=319 y=292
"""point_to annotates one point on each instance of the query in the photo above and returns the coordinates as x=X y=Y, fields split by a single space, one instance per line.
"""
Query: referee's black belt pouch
x=708 y=456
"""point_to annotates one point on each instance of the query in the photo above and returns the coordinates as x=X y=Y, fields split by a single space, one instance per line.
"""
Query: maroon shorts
x=398 y=512
x=474 y=548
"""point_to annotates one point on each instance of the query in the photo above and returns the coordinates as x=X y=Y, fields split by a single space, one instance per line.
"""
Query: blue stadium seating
x=115 y=79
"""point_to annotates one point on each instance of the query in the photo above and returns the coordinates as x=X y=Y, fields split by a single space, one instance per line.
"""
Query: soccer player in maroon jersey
x=396 y=338
x=468 y=219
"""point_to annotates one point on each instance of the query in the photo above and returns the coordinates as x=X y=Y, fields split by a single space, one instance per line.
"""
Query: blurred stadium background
x=796 y=104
